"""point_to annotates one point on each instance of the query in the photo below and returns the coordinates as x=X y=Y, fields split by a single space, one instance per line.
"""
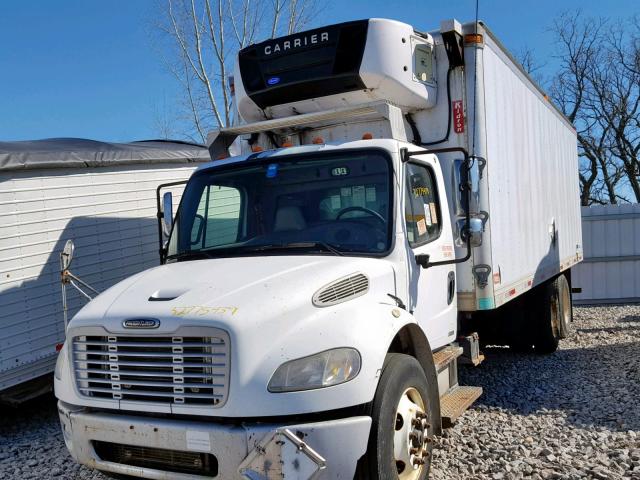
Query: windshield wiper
x=284 y=246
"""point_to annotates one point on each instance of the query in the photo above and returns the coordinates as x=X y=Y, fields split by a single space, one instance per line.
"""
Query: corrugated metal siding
x=610 y=272
x=110 y=215
x=532 y=165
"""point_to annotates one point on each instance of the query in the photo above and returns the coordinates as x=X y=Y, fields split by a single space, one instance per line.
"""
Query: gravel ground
x=571 y=415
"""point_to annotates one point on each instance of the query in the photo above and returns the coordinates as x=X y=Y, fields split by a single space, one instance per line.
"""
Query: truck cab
x=306 y=319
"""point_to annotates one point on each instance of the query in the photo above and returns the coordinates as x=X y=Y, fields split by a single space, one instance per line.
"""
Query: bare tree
x=199 y=42
x=616 y=85
x=531 y=64
x=597 y=86
x=578 y=43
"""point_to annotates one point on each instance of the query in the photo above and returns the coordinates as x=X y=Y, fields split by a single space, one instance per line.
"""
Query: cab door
x=432 y=290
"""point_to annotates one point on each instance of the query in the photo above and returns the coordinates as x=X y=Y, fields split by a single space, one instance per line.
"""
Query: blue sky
x=88 y=68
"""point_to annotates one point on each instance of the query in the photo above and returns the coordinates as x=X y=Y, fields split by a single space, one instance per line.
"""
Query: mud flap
x=282 y=455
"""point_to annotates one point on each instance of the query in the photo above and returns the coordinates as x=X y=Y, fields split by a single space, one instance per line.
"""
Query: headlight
x=61 y=362
x=324 y=369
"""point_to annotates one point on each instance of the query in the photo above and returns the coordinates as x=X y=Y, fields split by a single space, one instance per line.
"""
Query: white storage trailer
x=101 y=195
x=397 y=193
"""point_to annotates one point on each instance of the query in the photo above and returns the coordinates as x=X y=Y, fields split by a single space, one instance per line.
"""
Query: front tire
x=401 y=439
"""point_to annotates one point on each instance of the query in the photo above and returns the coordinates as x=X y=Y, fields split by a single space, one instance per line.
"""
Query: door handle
x=451 y=288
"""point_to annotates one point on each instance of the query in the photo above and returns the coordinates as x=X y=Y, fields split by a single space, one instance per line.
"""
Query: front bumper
x=256 y=451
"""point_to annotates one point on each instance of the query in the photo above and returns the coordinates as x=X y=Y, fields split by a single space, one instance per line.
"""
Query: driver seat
x=289 y=218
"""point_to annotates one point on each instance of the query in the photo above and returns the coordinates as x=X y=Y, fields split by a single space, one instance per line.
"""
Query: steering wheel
x=373 y=213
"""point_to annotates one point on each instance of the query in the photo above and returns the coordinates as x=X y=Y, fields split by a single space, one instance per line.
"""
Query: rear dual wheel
x=555 y=314
x=542 y=317
x=401 y=439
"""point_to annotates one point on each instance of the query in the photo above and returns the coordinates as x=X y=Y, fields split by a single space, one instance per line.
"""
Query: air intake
x=346 y=288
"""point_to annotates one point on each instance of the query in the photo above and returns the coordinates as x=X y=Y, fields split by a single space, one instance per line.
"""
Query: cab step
x=457 y=401
x=442 y=358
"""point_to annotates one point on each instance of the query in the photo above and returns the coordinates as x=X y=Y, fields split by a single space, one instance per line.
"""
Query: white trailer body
x=528 y=185
x=397 y=193
x=100 y=195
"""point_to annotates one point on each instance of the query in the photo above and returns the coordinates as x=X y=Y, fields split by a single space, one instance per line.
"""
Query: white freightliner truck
x=395 y=194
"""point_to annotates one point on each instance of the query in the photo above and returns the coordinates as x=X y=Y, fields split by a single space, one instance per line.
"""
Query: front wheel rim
x=411 y=436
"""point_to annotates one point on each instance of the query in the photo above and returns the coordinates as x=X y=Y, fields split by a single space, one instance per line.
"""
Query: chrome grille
x=176 y=370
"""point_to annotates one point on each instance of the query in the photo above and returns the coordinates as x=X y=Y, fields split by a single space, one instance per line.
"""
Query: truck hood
x=230 y=293
x=264 y=305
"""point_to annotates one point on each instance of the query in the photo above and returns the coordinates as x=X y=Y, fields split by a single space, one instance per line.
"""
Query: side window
x=218 y=217
x=422 y=210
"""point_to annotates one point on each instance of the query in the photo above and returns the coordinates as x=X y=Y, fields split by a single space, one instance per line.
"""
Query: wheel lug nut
x=414 y=451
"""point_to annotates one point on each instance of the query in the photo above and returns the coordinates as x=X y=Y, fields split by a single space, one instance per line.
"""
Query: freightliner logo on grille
x=141 y=323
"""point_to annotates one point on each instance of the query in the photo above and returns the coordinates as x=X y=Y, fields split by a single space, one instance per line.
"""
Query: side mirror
x=167 y=213
x=67 y=254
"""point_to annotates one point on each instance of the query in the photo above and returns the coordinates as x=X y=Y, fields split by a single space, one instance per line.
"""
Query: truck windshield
x=334 y=204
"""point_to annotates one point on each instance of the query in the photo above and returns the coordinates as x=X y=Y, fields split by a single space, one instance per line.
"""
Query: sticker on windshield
x=339 y=171
x=359 y=196
x=272 y=170
x=345 y=191
x=336 y=203
x=371 y=194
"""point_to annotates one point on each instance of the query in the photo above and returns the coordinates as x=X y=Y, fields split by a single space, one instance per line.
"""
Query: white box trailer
x=101 y=195
x=397 y=193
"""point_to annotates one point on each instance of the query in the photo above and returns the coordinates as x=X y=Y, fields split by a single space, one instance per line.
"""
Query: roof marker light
x=317 y=140
x=473 y=39
x=367 y=136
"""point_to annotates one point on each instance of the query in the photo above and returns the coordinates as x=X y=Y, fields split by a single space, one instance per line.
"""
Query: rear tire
x=401 y=438
x=566 y=306
x=554 y=315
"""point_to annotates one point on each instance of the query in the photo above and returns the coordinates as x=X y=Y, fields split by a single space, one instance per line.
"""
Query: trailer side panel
x=110 y=214
x=532 y=168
